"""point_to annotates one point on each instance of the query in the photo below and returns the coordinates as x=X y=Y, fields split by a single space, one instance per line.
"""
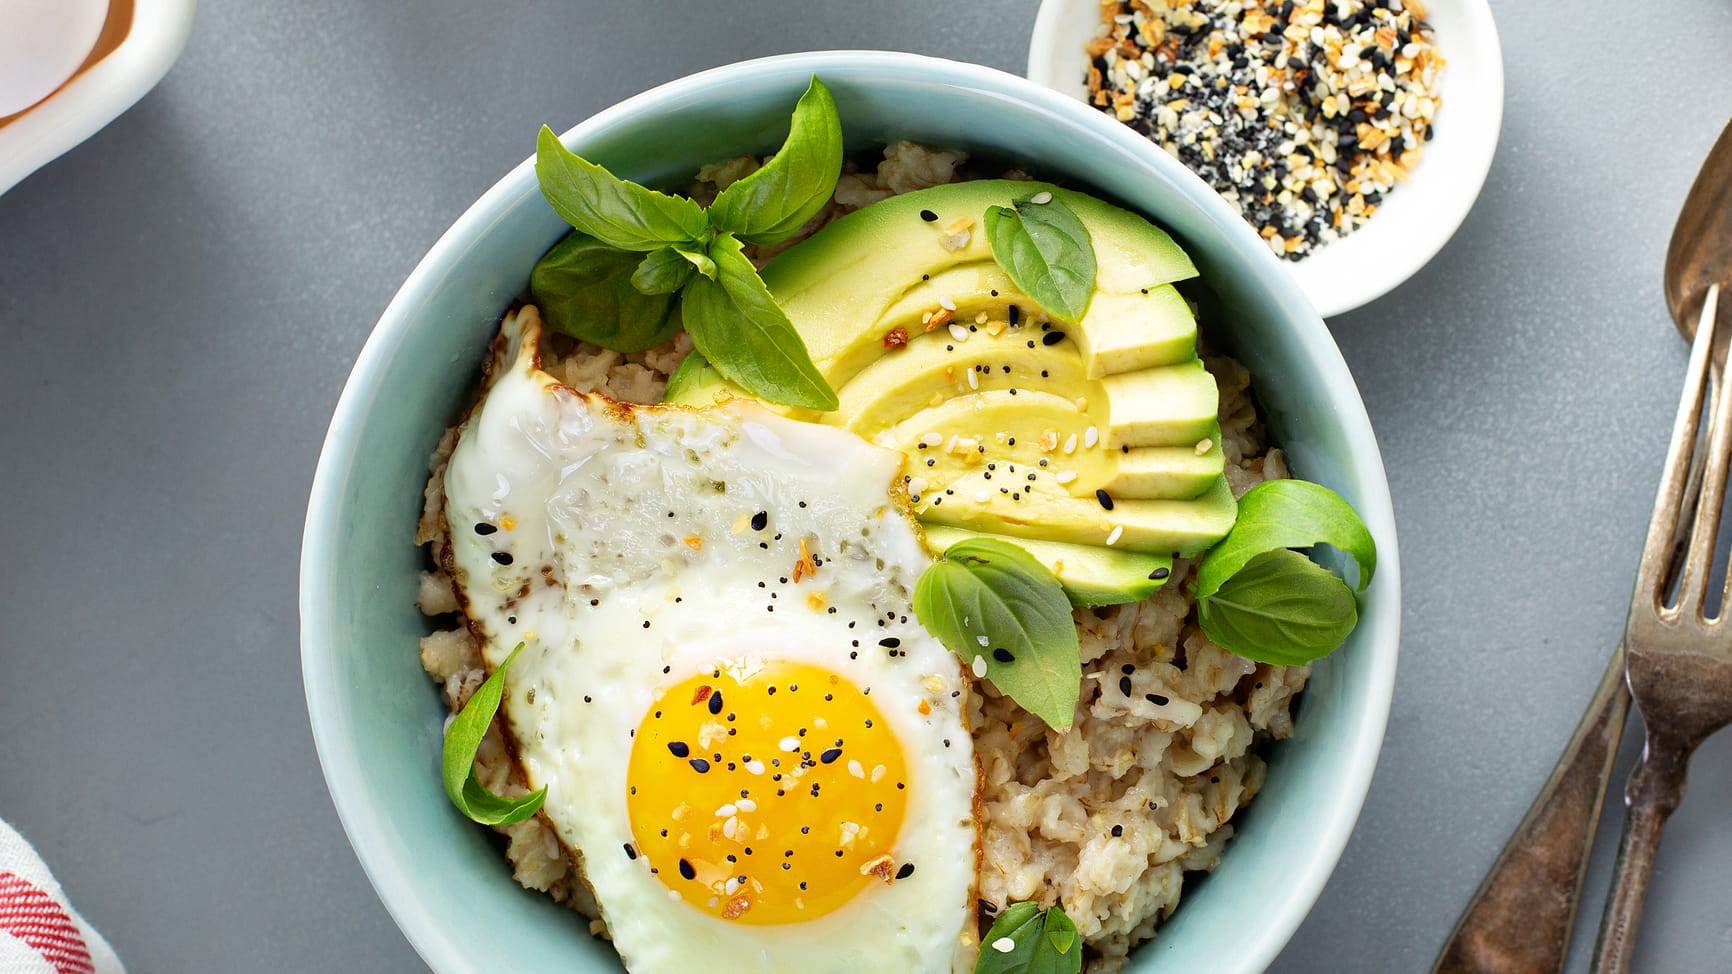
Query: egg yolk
x=767 y=795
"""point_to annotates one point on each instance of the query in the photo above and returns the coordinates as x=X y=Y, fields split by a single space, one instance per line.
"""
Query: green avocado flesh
x=1098 y=437
x=1091 y=575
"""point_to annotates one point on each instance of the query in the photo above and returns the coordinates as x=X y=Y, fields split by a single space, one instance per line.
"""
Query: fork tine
x=1657 y=552
x=1698 y=562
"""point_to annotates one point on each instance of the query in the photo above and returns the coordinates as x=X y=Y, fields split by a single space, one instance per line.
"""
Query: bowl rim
x=364 y=822
x=86 y=104
x=1334 y=297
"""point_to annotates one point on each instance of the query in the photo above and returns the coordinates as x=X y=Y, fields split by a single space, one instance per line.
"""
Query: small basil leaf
x=463 y=739
x=584 y=288
x=1041 y=942
x=701 y=261
x=1287 y=514
x=1045 y=248
x=1281 y=608
x=773 y=203
x=990 y=599
x=738 y=328
x=615 y=211
x=664 y=271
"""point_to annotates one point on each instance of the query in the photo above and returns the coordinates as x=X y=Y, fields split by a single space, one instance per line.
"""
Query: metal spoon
x=1521 y=918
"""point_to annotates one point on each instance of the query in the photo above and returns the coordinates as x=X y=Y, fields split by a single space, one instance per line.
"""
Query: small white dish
x=1417 y=218
x=137 y=43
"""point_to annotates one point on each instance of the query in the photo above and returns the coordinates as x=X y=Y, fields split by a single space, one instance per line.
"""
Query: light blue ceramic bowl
x=377 y=718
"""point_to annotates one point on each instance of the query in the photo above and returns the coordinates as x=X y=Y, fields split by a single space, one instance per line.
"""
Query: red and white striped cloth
x=39 y=931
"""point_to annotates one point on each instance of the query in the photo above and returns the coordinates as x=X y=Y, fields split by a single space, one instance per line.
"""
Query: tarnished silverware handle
x=1656 y=787
x=1520 y=920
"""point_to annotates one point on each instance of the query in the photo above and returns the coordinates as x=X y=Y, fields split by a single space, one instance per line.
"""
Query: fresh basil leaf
x=989 y=599
x=1041 y=942
x=1282 y=608
x=1287 y=514
x=1045 y=248
x=772 y=204
x=615 y=211
x=463 y=739
x=664 y=271
x=584 y=288
x=738 y=328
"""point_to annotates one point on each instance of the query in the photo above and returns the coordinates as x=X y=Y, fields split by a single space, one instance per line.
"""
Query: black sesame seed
x=906 y=871
x=679 y=749
x=1125 y=685
x=831 y=755
x=1052 y=338
x=928 y=216
x=760 y=520
x=630 y=853
x=1014 y=313
x=1003 y=655
x=485 y=529
x=1156 y=699
x=1160 y=573
x=687 y=871
x=890 y=642
x=1105 y=499
x=699 y=765
x=1118 y=830
x=502 y=557
x=716 y=702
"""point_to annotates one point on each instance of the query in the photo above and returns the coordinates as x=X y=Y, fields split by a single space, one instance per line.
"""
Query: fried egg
x=760 y=754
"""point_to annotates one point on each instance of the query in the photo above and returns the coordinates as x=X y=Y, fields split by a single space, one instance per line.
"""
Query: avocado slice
x=695 y=382
x=1177 y=526
x=840 y=287
x=1091 y=575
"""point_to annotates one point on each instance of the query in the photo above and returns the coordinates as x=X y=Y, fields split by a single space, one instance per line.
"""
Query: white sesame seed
x=959 y=333
x=1041 y=198
x=1070 y=443
x=730 y=827
x=945 y=303
x=878 y=773
x=932 y=439
x=1065 y=477
x=1004 y=945
x=979 y=667
x=973 y=379
x=980 y=496
x=1113 y=538
x=727 y=810
x=1091 y=436
x=755 y=767
x=747 y=805
x=789 y=744
x=732 y=887
x=855 y=769
x=1203 y=446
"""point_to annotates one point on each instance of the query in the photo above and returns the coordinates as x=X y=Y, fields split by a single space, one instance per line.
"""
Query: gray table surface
x=182 y=296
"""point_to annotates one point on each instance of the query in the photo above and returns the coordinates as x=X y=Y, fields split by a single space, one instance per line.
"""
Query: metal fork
x=1678 y=659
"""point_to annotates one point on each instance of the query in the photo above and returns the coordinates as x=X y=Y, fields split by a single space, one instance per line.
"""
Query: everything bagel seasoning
x=1302 y=114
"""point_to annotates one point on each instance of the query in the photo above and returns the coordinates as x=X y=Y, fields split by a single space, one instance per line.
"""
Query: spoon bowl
x=1700 y=253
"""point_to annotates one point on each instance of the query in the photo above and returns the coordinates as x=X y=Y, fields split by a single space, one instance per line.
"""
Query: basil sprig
x=463 y=739
x=1041 y=942
x=638 y=255
x=1046 y=250
x=991 y=600
x=736 y=311
x=618 y=212
x=1262 y=600
x=772 y=204
x=587 y=289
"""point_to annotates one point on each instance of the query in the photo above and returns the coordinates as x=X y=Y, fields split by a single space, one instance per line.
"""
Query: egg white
x=593 y=504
